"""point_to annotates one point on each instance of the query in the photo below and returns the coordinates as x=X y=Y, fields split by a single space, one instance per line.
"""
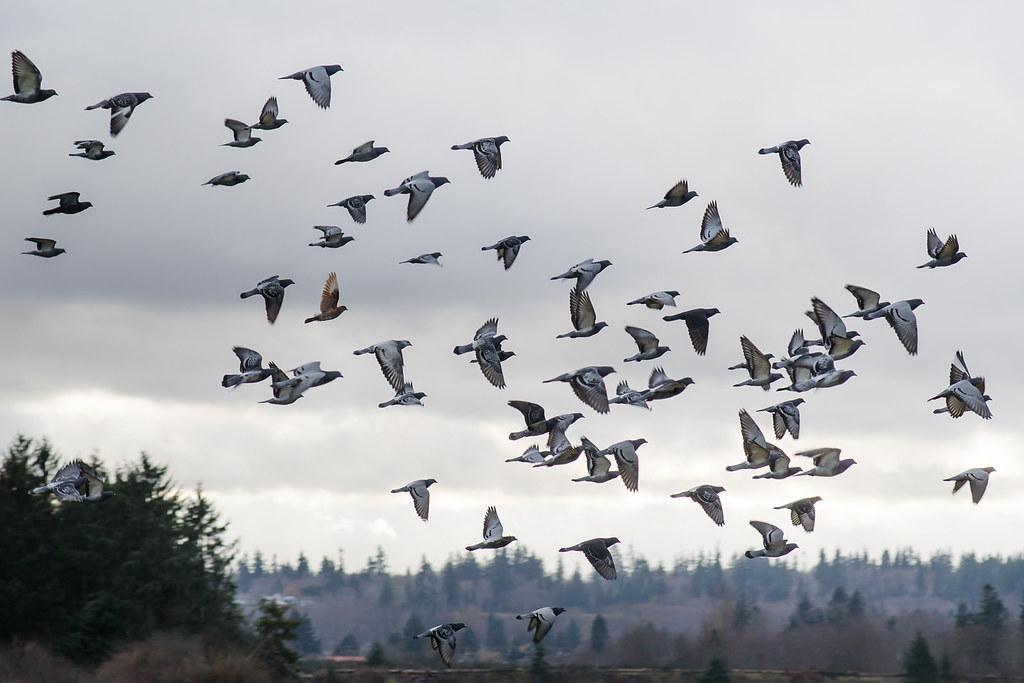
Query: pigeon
x=333 y=237
x=389 y=357
x=713 y=236
x=487 y=152
x=426 y=259
x=758 y=366
x=697 y=325
x=775 y=544
x=584 y=272
x=487 y=348
x=268 y=117
x=531 y=455
x=706 y=496
x=65 y=484
x=581 y=313
x=868 y=301
x=789 y=154
x=356 y=206
x=541 y=621
x=45 y=247
x=560 y=450
x=943 y=253
x=508 y=248
x=242 y=134
x=977 y=478
x=442 y=639
x=329 y=308
x=627 y=461
x=420 y=495
x=272 y=290
x=677 y=196
x=785 y=417
x=91 y=149
x=419 y=188
x=317 y=80
x=657 y=300
x=599 y=467
x=964 y=392
x=533 y=414
x=801 y=512
x=406 y=397
x=660 y=386
x=68 y=204
x=596 y=551
x=757 y=450
x=778 y=467
x=27 y=81
x=830 y=325
x=250 y=368
x=588 y=385
x=902 y=320
x=826 y=462
x=629 y=397
x=493 y=533
x=647 y=344
x=288 y=390
x=121 y=109
x=229 y=179
x=364 y=152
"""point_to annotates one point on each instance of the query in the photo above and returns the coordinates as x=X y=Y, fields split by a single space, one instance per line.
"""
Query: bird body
x=419 y=187
x=229 y=179
x=596 y=552
x=91 y=149
x=27 y=81
x=801 y=512
x=541 y=621
x=943 y=253
x=826 y=462
x=333 y=237
x=588 y=385
x=508 y=248
x=487 y=152
x=272 y=291
x=389 y=357
x=964 y=392
x=420 y=495
x=426 y=259
x=582 y=315
x=317 y=80
x=599 y=467
x=65 y=484
x=977 y=478
x=660 y=386
x=584 y=272
x=627 y=461
x=696 y=320
x=678 y=195
x=785 y=417
x=121 y=109
x=268 y=116
x=774 y=541
x=250 y=367
x=758 y=366
x=69 y=204
x=789 y=155
x=45 y=247
x=713 y=237
x=364 y=152
x=329 y=308
x=706 y=495
x=487 y=347
x=901 y=318
x=647 y=345
x=868 y=301
x=657 y=300
x=493 y=533
x=356 y=206
x=242 y=134
x=627 y=396
x=407 y=396
x=442 y=639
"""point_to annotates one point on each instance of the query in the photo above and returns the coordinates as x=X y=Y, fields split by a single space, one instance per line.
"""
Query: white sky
x=118 y=346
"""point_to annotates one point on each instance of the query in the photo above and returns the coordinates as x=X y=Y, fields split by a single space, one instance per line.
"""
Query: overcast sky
x=118 y=346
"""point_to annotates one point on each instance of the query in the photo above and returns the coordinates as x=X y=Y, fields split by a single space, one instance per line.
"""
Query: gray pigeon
x=584 y=272
x=801 y=512
x=356 y=206
x=773 y=539
x=588 y=385
x=442 y=639
x=629 y=397
x=596 y=552
x=242 y=134
x=657 y=300
x=582 y=315
x=757 y=450
x=426 y=259
x=627 y=461
x=493 y=533
x=706 y=495
x=778 y=467
x=758 y=366
x=789 y=154
x=229 y=179
x=268 y=116
x=826 y=462
x=677 y=196
x=660 y=386
x=599 y=467
x=69 y=204
x=487 y=347
x=121 y=108
x=419 y=187
x=977 y=478
x=531 y=455
x=45 y=247
x=647 y=345
x=785 y=417
x=541 y=621
x=508 y=248
x=91 y=149
x=713 y=237
x=364 y=152
x=65 y=484
x=272 y=290
x=487 y=152
x=27 y=81
x=943 y=253
x=333 y=237
x=697 y=325
x=902 y=320
x=250 y=368
x=389 y=357
x=317 y=80
x=838 y=341
x=420 y=495
x=868 y=301
x=406 y=397
x=964 y=392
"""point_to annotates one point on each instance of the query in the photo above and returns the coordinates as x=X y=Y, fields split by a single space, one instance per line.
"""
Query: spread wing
x=329 y=297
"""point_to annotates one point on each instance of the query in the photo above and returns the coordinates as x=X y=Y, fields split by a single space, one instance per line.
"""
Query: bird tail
x=231 y=380
x=392 y=192
x=924 y=265
x=466 y=348
x=50 y=212
x=733 y=468
x=98 y=105
x=340 y=161
x=246 y=295
x=36 y=492
x=768 y=150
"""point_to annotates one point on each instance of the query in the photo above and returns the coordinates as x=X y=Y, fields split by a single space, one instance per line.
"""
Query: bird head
x=605 y=370
x=143 y=96
x=797 y=401
x=523 y=238
x=557 y=610
x=610 y=541
x=438 y=182
x=914 y=303
x=334 y=68
x=402 y=343
x=457 y=627
x=712 y=311
x=428 y=482
x=285 y=282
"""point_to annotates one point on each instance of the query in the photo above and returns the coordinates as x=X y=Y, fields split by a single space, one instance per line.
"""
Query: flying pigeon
x=487 y=347
x=758 y=366
x=774 y=540
x=426 y=259
x=287 y=390
x=442 y=639
x=65 y=484
x=45 y=247
x=229 y=179
x=943 y=253
x=242 y=134
x=356 y=206
x=418 y=187
x=317 y=80
x=91 y=149
x=420 y=495
x=657 y=300
x=713 y=237
x=902 y=320
x=596 y=551
x=493 y=537
x=977 y=478
x=487 y=152
x=801 y=512
x=757 y=450
x=333 y=237
x=268 y=117
x=329 y=308
x=706 y=496
x=364 y=152
x=627 y=461
x=789 y=154
x=531 y=455
x=582 y=315
x=868 y=301
x=27 y=81
x=533 y=414
x=584 y=272
x=647 y=345
x=629 y=397
x=599 y=467
x=838 y=341
x=778 y=466
x=697 y=325
x=661 y=386
x=250 y=368
x=406 y=397
x=785 y=417
x=677 y=196
x=508 y=248
x=588 y=385
x=826 y=462
x=541 y=621
x=121 y=108
x=272 y=290
x=964 y=392
x=68 y=204
x=389 y=357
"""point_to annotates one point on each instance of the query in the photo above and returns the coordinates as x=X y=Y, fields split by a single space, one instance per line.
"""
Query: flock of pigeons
x=809 y=363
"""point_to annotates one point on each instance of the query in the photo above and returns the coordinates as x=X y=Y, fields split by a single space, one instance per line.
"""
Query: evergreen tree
x=991 y=612
x=918 y=664
x=716 y=672
x=496 y=638
x=598 y=634
x=306 y=642
x=376 y=656
x=540 y=670
x=272 y=630
x=571 y=636
x=413 y=626
x=302 y=568
x=258 y=570
x=348 y=647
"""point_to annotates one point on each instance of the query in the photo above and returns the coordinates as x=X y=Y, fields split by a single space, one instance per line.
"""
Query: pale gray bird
x=91 y=149
x=757 y=450
x=406 y=397
x=678 y=195
x=268 y=116
x=27 y=81
x=596 y=552
x=272 y=291
x=627 y=461
x=493 y=533
x=584 y=272
x=758 y=366
x=487 y=347
x=832 y=378
x=773 y=539
x=229 y=179
x=778 y=467
x=834 y=334
x=333 y=237
x=560 y=450
x=364 y=152
x=442 y=639
x=977 y=478
x=697 y=325
x=706 y=495
x=426 y=259
x=69 y=478
x=964 y=392
x=317 y=80
x=541 y=621
x=45 y=247
x=508 y=248
x=419 y=188
x=121 y=108
x=713 y=237
x=902 y=320
x=420 y=495
x=801 y=512
x=647 y=345
x=599 y=467
x=660 y=386
x=389 y=357
x=785 y=417
x=657 y=300
x=329 y=308
x=582 y=315
x=943 y=253
x=826 y=462
x=629 y=397
x=250 y=368
x=69 y=204
x=789 y=154
x=304 y=377
x=487 y=152
x=588 y=385
x=531 y=455
x=868 y=301
x=356 y=206
x=242 y=134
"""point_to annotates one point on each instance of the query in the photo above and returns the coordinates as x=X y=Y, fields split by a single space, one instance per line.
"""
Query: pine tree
x=716 y=672
x=918 y=664
x=273 y=629
x=306 y=642
x=598 y=634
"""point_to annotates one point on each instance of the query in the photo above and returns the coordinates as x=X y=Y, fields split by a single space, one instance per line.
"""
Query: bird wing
x=488 y=157
x=758 y=364
x=389 y=357
x=488 y=329
x=657 y=378
x=678 y=191
x=708 y=499
x=601 y=559
x=492 y=525
x=771 y=535
x=823 y=457
x=751 y=433
x=357 y=210
x=420 y=500
x=589 y=388
x=865 y=297
x=711 y=225
x=419 y=193
x=318 y=85
x=791 y=415
x=241 y=130
x=364 y=148
x=645 y=340
x=532 y=412
x=26 y=76
x=581 y=310
x=902 y=319
x=42 y=243
x=247 y=359
x=778 y=423
x=790 y=157
x=949 y=249
x=539 y=626
x=94 y=483
x=829 y=322
x=698 y=328
x=628 y=464
x=978 y=484
x=329 y=297
x=269 y=113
